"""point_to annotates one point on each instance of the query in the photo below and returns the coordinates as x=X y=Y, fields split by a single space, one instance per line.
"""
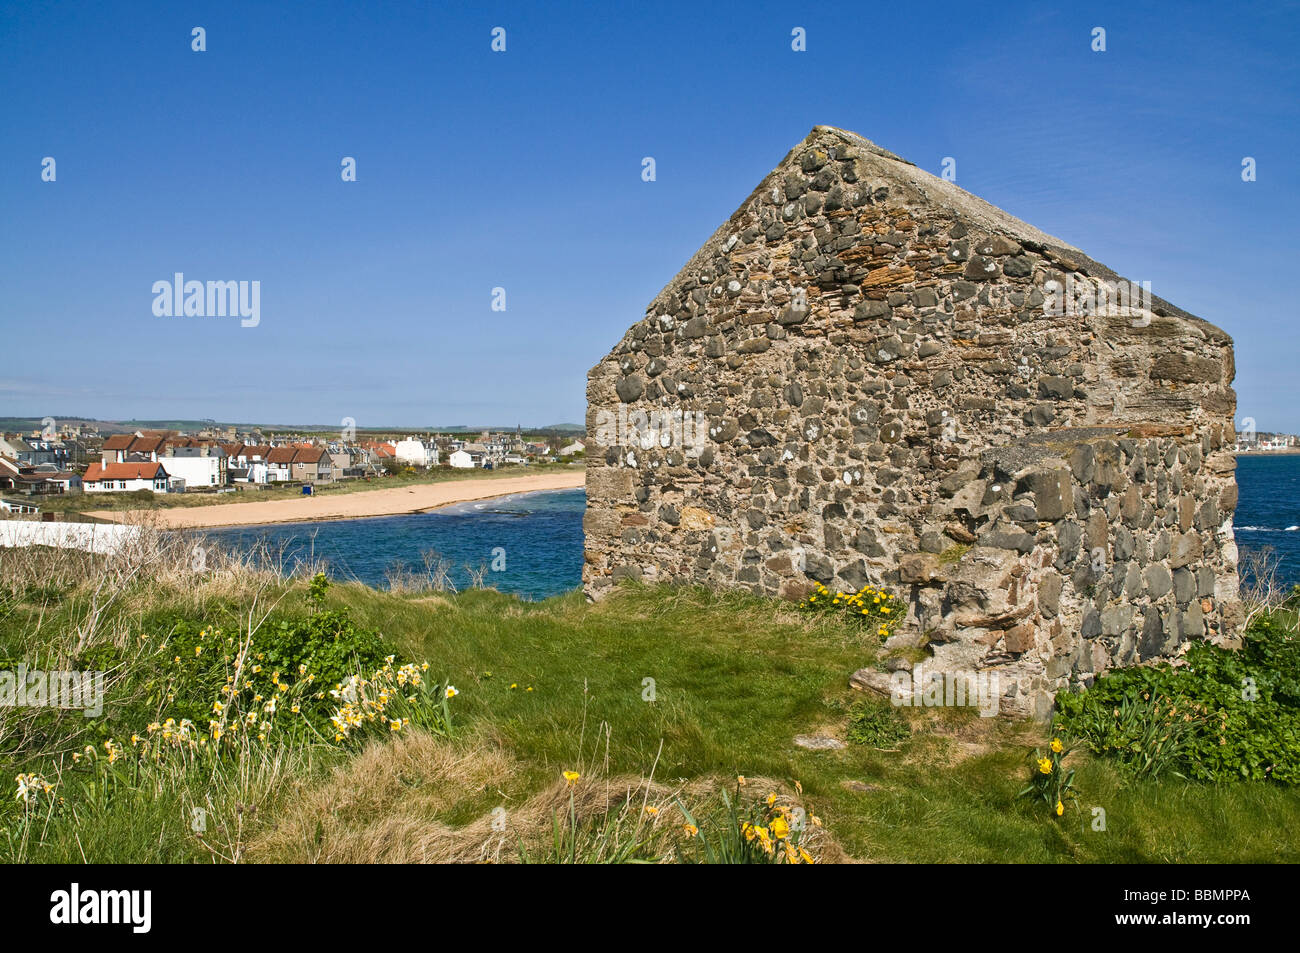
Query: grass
x=738 y=677
x=735 y=678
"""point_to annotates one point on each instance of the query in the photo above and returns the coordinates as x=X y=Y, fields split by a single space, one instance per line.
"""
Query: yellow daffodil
x=1045 y=765
x=571 y=776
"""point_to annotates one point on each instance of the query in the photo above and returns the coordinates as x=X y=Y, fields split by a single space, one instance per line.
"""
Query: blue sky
x=522 y=170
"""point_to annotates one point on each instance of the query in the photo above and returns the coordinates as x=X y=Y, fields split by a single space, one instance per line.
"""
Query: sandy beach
x=390 y=502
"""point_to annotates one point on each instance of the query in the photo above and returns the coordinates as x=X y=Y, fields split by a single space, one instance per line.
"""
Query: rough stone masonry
x=868 y=375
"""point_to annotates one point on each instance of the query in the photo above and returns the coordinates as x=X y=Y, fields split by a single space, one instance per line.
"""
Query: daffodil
x=1045 y=765
x=571 y=776
x=1056 y=745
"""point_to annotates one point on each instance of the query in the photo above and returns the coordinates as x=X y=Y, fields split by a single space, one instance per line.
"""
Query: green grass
x=735 y=679
x=734 y=687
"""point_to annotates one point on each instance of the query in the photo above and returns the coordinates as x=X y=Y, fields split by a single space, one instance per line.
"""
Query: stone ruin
x=868 y=375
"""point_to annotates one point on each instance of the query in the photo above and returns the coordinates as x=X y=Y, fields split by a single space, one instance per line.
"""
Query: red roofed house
x=125 y=477
x=247 y=462
x=128 y=447
x=294 y=463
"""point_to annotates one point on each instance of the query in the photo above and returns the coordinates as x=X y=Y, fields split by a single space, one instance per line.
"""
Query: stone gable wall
x=854 y=381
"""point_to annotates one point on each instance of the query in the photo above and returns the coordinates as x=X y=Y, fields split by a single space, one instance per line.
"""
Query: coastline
x=395 y=501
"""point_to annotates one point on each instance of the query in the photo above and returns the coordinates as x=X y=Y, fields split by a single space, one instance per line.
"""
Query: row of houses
x=1248 y=442
x=38 y=479
x=61 y=454
x=168 y=462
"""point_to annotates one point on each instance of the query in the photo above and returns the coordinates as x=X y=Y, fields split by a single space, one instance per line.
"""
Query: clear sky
x=522 y=170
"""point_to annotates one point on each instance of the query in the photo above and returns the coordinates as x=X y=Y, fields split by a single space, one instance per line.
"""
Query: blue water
x=1268 y=512
x=541 y=534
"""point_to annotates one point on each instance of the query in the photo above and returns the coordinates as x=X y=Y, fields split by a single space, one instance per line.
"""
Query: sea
x=1267 y=523
x=530 y=544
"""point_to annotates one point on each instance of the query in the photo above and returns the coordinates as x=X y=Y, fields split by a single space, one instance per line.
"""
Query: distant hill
x=26 y=424
x=549 y=428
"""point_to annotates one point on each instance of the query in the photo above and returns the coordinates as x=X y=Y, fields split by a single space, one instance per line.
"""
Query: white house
x=197 y=468
x=576 y=447
x=125 y=477
x=416 y=452
x=463 y=459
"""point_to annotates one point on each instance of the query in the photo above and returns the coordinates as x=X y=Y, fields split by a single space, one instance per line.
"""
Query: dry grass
x=1264 y=591
x=389 y=804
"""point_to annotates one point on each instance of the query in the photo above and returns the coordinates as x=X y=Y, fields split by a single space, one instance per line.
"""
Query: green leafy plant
x=1220 y=716
x=1050 y=781
x=876 y=725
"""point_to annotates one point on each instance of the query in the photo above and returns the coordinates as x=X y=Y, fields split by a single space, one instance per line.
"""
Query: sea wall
x=93 y=537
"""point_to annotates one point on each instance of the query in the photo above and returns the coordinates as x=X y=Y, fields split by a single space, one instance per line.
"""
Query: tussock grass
x=423 y=799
